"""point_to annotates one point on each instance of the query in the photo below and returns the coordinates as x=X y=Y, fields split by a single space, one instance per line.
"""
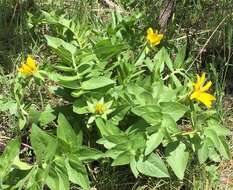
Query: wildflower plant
x=130 y=103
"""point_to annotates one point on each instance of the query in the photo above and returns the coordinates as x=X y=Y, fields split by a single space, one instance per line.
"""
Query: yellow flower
x=153 y=37
x=100 y=108
x=28 y=68
x=199 y=93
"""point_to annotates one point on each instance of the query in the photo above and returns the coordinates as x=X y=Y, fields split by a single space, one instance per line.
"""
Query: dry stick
x=206 y=43
x=113 y=5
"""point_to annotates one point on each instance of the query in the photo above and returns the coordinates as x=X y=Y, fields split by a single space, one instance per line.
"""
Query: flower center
x=100 y=108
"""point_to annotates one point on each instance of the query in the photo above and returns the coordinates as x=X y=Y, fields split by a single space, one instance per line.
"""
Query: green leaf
x=7 y=158
x=177 y=157
x=150 y=113
x=117 y=139
x=21 y=165
x=162 y=93
x=179 y=60
x=203 y=152
x=224 y=148
x=96 y=82
x=159 y=59
x=77 y=172
x=116 y=150
x=213 y=136
x=65 y=131
x=106 y=128
x=46 y=116
x=218 y=128
x=154 y=141
x=169 y=124
x=133 y=167
x=153 y=166
x=87 y=154
x=123 y=159
x=105 y=49
x=57 y=179
x=60 y=45
x=174 y=109
x=80 y=106
x=43 y=144
x=26 y=180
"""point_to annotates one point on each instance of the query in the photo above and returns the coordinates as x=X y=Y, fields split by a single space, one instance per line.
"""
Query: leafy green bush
x=123 y=100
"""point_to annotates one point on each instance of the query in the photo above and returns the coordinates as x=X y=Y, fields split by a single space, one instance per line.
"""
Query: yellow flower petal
x=199 y=93
x=205 y=98
x=198 y=84
x=206 y=87
x=150 y=31
x=194 y=95
x=202 y=79
x=26 y=69
x=31 y=63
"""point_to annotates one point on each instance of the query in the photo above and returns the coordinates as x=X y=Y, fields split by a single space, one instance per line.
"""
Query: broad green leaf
x=211 y=134
x=119 y=114
x=133 y=167
x=64 y=49
x=106 y=128
x=213 y=155
x=169 y=124
x=153 y=166
x=203 y=152
x=168 y=61
x=177 y=157
x=24 y=181
x=68 y=78
x=57 y=179
x=46 y=116
x=65 y=131
x=70 y=84
x=21 y=165
x=105 y=49
x=117 y=139
x=218 y=128
x=115 y=151
x=159 y=60
x=150 y=113
x=43 y=144
x=77 y=172
x=58 y=44
x=49 y=18
x=162 y=93
x=96 y=82
x=86 y=154
x=7 y=158
x=179 y=60
x=123 y=159
x=174 y=109
x=224 y=148
x=80 y=106
x=137 y=141
x=154 y=141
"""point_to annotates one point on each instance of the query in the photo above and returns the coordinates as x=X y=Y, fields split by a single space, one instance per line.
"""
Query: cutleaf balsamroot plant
x=119 y=101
